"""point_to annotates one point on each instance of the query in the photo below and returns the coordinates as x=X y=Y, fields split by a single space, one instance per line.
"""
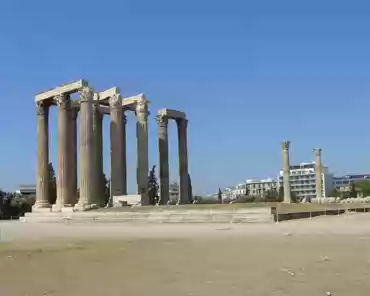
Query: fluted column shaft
x=142 y=150
x=163 y=159
x=87 y=164
x=124 y=156
x=116 y=142
x=73 y=149
x=43 y=176
x=64 y=189
x=286 y=171
x=183 y=160
x=318 y=171
x=98 y=197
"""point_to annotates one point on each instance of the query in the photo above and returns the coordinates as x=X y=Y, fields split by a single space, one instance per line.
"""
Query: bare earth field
x=299 y=257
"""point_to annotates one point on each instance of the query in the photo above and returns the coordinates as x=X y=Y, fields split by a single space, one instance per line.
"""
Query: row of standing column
x=164 y=163
x=67 y=153
x=91 y=151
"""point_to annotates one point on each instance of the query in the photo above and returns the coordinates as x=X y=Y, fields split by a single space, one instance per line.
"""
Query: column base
x=55 y=208
x=85 y=207
x=44 y=207
x=67 y=209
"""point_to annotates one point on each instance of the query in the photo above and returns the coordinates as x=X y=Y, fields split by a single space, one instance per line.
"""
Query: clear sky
x=247 y=75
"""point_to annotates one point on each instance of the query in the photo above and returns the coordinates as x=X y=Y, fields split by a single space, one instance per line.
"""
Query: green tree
x=106 y=186
x=352 y=190
x=335 y=193
x=246 y=190
x=363 y=187
x=280 y=194
x=52 y=184
x=190 y=190
x=219 y=195
x=293 y=196
x=153 y=187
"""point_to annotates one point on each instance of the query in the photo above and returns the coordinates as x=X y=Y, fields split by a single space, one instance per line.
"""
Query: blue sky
x=247 y=75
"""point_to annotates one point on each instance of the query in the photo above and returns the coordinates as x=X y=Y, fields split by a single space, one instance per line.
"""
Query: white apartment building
x=253 y=186
x=303 y=180
x=174 y=191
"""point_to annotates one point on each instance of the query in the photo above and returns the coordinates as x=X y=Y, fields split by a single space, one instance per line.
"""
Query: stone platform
x=250 y=215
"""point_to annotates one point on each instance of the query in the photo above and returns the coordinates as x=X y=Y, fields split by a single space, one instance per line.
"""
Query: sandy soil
x=301 y=257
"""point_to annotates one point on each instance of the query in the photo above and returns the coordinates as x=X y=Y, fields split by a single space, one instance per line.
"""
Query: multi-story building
x=26 y=189
x=174 y=191
x=261 y=187
x=251 y=188
x=303 y=180
x=344 y=181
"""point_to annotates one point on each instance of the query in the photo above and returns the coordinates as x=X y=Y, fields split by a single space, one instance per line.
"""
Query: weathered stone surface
x=116 y=145
x=183 y=160
x=172 y=114
x=42 y=174
x=142 y=149
x=73 y=152
x=98 y=197
x=61 y=90
x=318 y=171
x=64 y=189
x=164 y=174
x=87 y=164
x=286 y=171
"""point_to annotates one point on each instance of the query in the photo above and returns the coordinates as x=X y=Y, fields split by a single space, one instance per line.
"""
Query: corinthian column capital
x=42 y=108
x=142 y=107
x=115 y=101
x=86 y=94
x=285 y=145
x=63 y=101
x=162 y=120
x=317 y=151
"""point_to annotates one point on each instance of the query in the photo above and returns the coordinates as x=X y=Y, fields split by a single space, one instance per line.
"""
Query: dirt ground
x=301 y=257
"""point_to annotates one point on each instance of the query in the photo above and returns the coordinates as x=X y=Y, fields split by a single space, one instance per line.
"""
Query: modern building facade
x=303 y=180
x=174 y=192
x=26 y=189
x=343 y=181
x=251 y=187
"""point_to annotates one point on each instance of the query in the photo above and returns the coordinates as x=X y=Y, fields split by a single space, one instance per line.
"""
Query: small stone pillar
x=183 y=160
x=142 y=149
x=73 y=149
x=116 y=142
x=286 y=171
x=64 y=188
x=43 y=175
x=318 y=172
x=87 y=164
x=163 y=159
x=97 y=116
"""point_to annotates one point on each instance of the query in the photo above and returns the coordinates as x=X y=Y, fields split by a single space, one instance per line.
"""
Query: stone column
x=64 y=188
x=73 y=149
x=124 y=157
x=318 y=171
x=286 y=171
x=183 y=160
x=163 y=159
x=87 y=164
x=142 y=150
x=116 y=153
x=97 y=116
x=42 y=174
